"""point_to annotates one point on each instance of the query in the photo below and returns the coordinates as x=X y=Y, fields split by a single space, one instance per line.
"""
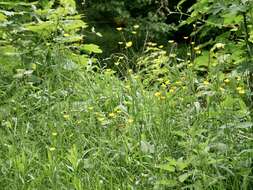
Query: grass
x=79 y=129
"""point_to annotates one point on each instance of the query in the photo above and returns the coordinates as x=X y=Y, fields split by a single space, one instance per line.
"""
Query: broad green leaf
x=181 y=165
x=146 y=147
x=184 y=176
x=91 y=48
x=231 y=18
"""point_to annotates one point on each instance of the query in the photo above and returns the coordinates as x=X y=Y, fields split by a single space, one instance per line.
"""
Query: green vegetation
x=151 y=115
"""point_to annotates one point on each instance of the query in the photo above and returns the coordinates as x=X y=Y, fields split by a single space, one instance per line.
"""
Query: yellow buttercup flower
x=112 y=114
x=129 y=44
x=52 y=149
x=196 y=48
x=119 y=28
x=206 y=82
x=66 y=116
x=162 y=98
x=130 y=121
x=158 y=94
x=226 y=80
x=66 y=35
x=136 y=26
x=54 y=134
x=241 y=91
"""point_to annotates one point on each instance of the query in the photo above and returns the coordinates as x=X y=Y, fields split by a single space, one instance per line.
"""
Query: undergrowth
x=151 y=121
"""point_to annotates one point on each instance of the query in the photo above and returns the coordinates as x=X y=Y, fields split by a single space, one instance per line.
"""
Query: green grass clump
x=64 y=126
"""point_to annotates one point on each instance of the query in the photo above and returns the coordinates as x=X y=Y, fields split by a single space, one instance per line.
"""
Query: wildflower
x=130 y=71
x=189 y=54
x=119 y=28
x=192 y=43
x=171 y=41
x=172 y=89
x=163 y=86
x=239 y=88
x=130 y=121
x=158 y=94
x=162 y=98
x=52 y=149
x=66 y=116
x=152 y=44
x=112 y=115
x=161 y=46
x=136 y=26
x=66 y=35
x=54 y=134
x=120 y=43
x=241 y=92
x=178 y=83
x=101 y=119
x=186 y=37
x=206 y=82
x=34 y=66
x=167 y=82
x=134 y=32
x=196 y=48
x=128 y=87
x=129 y=44
x=226 y=80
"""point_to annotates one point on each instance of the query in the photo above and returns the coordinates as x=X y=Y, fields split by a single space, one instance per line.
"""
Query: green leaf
x=167 y=182
x=42 y=28
x=167 y=167
x=231 y=18
x=91 y=48
x=146 y=147
x=184 y=176
x=70 y=25
x=181 y=165
x=2 y=17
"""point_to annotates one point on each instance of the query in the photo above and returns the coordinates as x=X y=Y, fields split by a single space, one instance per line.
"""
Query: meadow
x=154 y=119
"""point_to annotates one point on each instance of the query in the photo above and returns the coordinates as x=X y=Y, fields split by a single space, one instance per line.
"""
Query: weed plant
x=167 y=123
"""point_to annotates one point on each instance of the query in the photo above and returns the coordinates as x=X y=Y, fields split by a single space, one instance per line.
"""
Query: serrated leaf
x=41 y=28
